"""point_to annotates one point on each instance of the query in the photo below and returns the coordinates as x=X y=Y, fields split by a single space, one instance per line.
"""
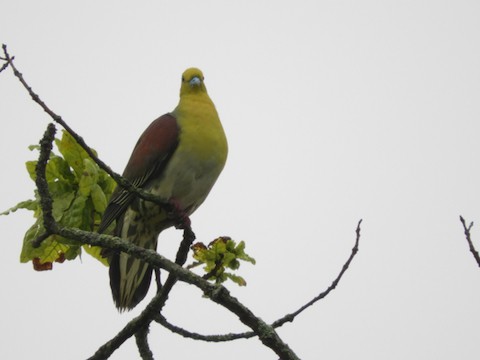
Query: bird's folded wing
x=148 y=160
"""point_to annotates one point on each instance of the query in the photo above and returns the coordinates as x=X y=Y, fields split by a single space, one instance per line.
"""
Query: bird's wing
x=149 y=157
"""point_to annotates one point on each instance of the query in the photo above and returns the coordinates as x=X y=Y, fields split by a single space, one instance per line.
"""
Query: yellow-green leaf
x=79 y=190
x=221 y=254
x=28 y=204
x=49 y=251
x=72 y=152
x=88 y=177
x=99 y=199
x=95 y=251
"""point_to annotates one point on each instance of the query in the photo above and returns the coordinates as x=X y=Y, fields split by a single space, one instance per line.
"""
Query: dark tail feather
x=123 y=302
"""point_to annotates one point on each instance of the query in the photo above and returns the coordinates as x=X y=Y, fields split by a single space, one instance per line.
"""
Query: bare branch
x=276 y=324
x=59 y=120
x=467 y=229
x=4 y=66
x=334 y=284
x=45 y=201
x=159 y=318
x=142 y=344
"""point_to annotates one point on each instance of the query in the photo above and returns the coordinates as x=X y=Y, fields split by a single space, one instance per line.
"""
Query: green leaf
x=27 y=204
x=240 y=251
x=31 y=166
x=96 y=251
x=49 y=251
x=237 y=279
x=79 y=190
x=89 y=177
x=221 y=254
x=58 y=168
x=99 y=198
x=74 y=216
x=61 y=203
x=72 y=153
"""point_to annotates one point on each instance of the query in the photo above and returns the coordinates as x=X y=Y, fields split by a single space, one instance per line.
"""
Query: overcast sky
x=334 y=111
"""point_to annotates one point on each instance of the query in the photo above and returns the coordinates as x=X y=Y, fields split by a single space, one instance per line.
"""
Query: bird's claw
x=181 y=218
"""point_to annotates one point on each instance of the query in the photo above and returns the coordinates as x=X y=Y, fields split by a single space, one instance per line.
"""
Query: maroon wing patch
x=149 y=157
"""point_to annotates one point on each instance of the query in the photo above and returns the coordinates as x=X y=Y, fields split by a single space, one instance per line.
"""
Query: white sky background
x=334 y=111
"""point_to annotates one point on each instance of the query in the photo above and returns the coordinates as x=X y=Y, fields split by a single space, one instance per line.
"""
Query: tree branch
x=216 y=293
x=142 y=343
x=153 y=308
x=42 y=185
x=334 y=284
x=467 y=229
x=4 y=66
x=124 y=183
x=159 y=318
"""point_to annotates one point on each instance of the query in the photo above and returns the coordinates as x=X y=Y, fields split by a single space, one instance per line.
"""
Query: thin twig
x=124 y=183
x=467 y=229
x=334 y=284
x=214 y=271
x=276 y=324
x=4 y=66
x=159 y=318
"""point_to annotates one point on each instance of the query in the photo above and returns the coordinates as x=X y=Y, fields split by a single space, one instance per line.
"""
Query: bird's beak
x=195 y=81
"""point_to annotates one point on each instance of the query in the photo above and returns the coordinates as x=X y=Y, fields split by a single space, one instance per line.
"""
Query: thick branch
x=42 y=185
x=216 y=293
x=142 y=344
x=153 y=308
x=475 y=253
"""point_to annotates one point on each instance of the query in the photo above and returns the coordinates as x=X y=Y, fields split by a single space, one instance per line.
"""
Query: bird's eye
x=183 y=79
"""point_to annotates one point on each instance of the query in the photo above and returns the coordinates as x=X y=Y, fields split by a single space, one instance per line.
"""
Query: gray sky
x=334 y=111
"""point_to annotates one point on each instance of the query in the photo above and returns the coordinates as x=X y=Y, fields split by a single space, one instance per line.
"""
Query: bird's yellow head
x=192 y=82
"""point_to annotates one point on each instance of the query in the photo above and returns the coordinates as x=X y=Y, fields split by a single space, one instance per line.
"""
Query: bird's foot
x=179 y=215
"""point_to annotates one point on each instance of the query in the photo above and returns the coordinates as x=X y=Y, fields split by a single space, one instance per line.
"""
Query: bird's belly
x=186 y=189
x=189 y=183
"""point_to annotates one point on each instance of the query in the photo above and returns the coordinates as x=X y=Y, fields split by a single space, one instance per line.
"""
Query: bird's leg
x=179 y=215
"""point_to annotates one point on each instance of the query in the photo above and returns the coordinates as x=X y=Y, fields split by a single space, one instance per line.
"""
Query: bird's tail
x=130 y=277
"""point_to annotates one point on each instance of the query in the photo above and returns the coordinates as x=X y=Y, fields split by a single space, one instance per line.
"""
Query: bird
x=178 y=158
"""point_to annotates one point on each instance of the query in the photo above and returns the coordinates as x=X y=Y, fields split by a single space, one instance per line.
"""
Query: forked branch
x=467 y=229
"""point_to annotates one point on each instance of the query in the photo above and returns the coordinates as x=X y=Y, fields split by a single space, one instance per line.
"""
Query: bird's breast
x=199 y=158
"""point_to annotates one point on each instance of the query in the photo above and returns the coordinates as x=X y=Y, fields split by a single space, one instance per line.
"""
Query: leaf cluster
x=220 y=255
x=80 y=190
